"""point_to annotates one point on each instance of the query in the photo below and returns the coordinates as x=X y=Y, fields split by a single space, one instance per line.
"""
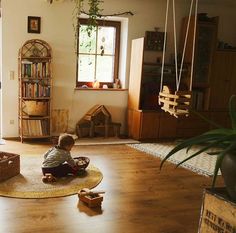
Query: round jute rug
x=28 y=183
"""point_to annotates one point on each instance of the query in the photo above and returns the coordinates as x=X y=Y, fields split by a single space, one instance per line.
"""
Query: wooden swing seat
x=176 y=104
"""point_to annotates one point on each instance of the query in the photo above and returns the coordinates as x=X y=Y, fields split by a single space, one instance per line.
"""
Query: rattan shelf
x=35 y=87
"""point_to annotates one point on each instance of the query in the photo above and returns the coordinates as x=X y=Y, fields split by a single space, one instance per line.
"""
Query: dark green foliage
x=221 y=140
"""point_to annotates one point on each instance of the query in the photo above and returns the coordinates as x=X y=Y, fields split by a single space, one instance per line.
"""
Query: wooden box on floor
x=9 y=165
x=92 y=201
x=218 y=213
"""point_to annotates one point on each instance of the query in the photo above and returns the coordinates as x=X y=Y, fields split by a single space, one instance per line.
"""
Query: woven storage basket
x=9 y=165
x=36 y=108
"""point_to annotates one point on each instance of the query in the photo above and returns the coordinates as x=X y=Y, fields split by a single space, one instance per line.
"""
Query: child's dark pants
x=59 y=171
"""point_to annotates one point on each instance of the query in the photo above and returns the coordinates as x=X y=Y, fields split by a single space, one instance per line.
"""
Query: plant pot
x=228 y=169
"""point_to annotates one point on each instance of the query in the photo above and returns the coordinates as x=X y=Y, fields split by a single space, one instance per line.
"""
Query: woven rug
x=203 y=164
x=28 y=184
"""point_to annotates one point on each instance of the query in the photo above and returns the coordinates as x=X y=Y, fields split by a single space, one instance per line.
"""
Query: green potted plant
x=222 y=142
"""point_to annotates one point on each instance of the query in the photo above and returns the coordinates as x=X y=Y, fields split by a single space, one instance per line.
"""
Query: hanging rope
x=184 y=48
x=178 y=77
x=177 y=103
x=175 y=46
x=194 y=39
x=164 y=45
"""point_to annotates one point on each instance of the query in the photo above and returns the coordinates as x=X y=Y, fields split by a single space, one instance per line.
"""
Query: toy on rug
x=48 y=178
x=91 y=198
x=81 y=164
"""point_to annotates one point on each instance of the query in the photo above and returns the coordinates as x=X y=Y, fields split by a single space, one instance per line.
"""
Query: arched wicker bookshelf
x=35 y=89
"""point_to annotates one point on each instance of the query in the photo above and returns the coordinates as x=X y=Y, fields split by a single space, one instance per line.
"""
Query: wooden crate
x=218 y=213
x=92 y=201
x=9 y=165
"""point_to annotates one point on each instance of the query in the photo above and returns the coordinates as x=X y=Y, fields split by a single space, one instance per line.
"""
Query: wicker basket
x=82 y=162
x=36 y=108
x=9 y=165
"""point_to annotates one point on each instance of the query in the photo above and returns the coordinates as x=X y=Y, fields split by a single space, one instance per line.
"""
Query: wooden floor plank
x=139 y=198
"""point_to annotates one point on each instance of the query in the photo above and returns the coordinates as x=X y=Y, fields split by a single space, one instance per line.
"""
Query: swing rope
x=178 y=79
x=184 y=48
x=194 y=39
x=164 y=45
x=175 y=46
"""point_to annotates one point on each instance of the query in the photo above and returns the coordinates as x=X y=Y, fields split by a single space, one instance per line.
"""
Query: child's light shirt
x=56 y=156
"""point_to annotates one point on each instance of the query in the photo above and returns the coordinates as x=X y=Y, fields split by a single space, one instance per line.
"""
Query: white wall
x=57 y=30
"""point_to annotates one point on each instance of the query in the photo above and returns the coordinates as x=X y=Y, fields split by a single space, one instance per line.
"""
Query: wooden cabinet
x=146 y=120
x=143 y=125
x=221 y=118
x=205 y=46
x=167 y=126
x=151 y=125
x=35 y=87
x=213 y=83
x=223 y=81
x=191 y=126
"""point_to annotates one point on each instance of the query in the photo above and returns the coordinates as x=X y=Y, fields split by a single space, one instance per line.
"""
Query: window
x=98 y=53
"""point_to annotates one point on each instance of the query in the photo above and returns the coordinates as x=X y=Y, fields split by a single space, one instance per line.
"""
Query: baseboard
x=11 y=138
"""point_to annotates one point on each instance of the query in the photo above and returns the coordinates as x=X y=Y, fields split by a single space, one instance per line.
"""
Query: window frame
x=109 y=23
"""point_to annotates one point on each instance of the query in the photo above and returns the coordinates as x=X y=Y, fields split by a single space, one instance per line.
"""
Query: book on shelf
x=35 y=89
x=198 y=100
x=34 y=128
x=35 y=70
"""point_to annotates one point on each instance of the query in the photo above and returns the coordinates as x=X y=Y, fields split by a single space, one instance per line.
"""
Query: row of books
x=198 y=100
x=35 y=70
x=35 y=90
x=35 y=127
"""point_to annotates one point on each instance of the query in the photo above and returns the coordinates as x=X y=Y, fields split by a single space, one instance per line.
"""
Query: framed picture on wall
x=34 y=24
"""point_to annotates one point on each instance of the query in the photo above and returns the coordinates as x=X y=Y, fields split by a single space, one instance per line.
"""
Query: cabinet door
x=134 y=119
x=221 y=118
x=191 y=126
x=223 y=67
x=149 y=125
x=167 y=127
x=205 y=45
x=206 y=33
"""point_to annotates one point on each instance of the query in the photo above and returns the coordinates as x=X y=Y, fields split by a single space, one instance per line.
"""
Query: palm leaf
x=200 y=151
x=214 y=152
x=192 y=141
x=223 y=131
x=222 y=138
x=219 y=160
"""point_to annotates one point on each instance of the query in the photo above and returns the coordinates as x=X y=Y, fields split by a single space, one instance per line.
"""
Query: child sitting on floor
x=58 y=160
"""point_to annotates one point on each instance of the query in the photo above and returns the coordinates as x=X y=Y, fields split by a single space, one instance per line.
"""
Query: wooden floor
x=139 y=198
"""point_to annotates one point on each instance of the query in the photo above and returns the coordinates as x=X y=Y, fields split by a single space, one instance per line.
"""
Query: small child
x=58 y=160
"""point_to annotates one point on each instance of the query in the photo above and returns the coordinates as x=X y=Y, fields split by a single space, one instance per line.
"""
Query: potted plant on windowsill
x=222 y=142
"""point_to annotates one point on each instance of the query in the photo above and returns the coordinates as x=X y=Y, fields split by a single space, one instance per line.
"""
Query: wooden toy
x=177 y=103
x=48 y=178
x=91 y=198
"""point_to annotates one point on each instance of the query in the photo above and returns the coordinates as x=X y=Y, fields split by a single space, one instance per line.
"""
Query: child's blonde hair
x=65 y=140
